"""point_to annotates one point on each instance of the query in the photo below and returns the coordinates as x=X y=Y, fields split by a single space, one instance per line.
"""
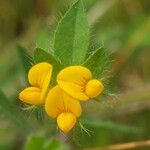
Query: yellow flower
x=63 y=107
x=77 y=82
x=39 y=77
x=61 y=102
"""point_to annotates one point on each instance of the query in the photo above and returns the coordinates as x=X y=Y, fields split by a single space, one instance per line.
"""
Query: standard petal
x=66 y=121
x=73 y=80
x=57 y=102
x=39 y=74
x=75 y=74
x=31 y=95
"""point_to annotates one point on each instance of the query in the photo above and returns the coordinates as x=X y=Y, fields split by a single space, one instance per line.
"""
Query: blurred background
x=123 y=27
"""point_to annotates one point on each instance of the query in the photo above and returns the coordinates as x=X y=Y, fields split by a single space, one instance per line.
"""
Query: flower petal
x=73 y=90
x=72 y=105
x=73 y=80
x=54 y=103
x=45 y=85
x=94 y=88
x=39 y=73
x=66 y=121
x=57 y=102
x=31 y=95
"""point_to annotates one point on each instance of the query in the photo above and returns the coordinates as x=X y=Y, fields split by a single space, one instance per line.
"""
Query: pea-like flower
x=63 y=107
x=61 y=101
x=77 y=82
x=39 y=77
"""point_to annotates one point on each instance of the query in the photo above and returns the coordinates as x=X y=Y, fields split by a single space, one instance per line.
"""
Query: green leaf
x=44 y=40
x=72 y=36
x=43 y=56
x=25 y=58
x=13 y=114
x=98 y=62
x=35 y=143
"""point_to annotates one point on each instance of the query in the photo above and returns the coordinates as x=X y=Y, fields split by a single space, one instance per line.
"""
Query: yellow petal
x=45 y=85
x=73 y=90
x=73 y=80
x=31 y=95
x=94 y=88
x=71 y=104
x=57 y=102
x=75 y=74
x=39 y=73
x=66 y=121
x=54 y=103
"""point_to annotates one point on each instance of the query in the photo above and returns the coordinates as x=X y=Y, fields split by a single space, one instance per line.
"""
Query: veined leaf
x=98 y=62
x=45 y=41
x=25 y=58
x=72 y=36
x=11 y=113
x=43 y=56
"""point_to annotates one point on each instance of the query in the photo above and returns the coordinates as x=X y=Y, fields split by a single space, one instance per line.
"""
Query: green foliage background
x=121 y=26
